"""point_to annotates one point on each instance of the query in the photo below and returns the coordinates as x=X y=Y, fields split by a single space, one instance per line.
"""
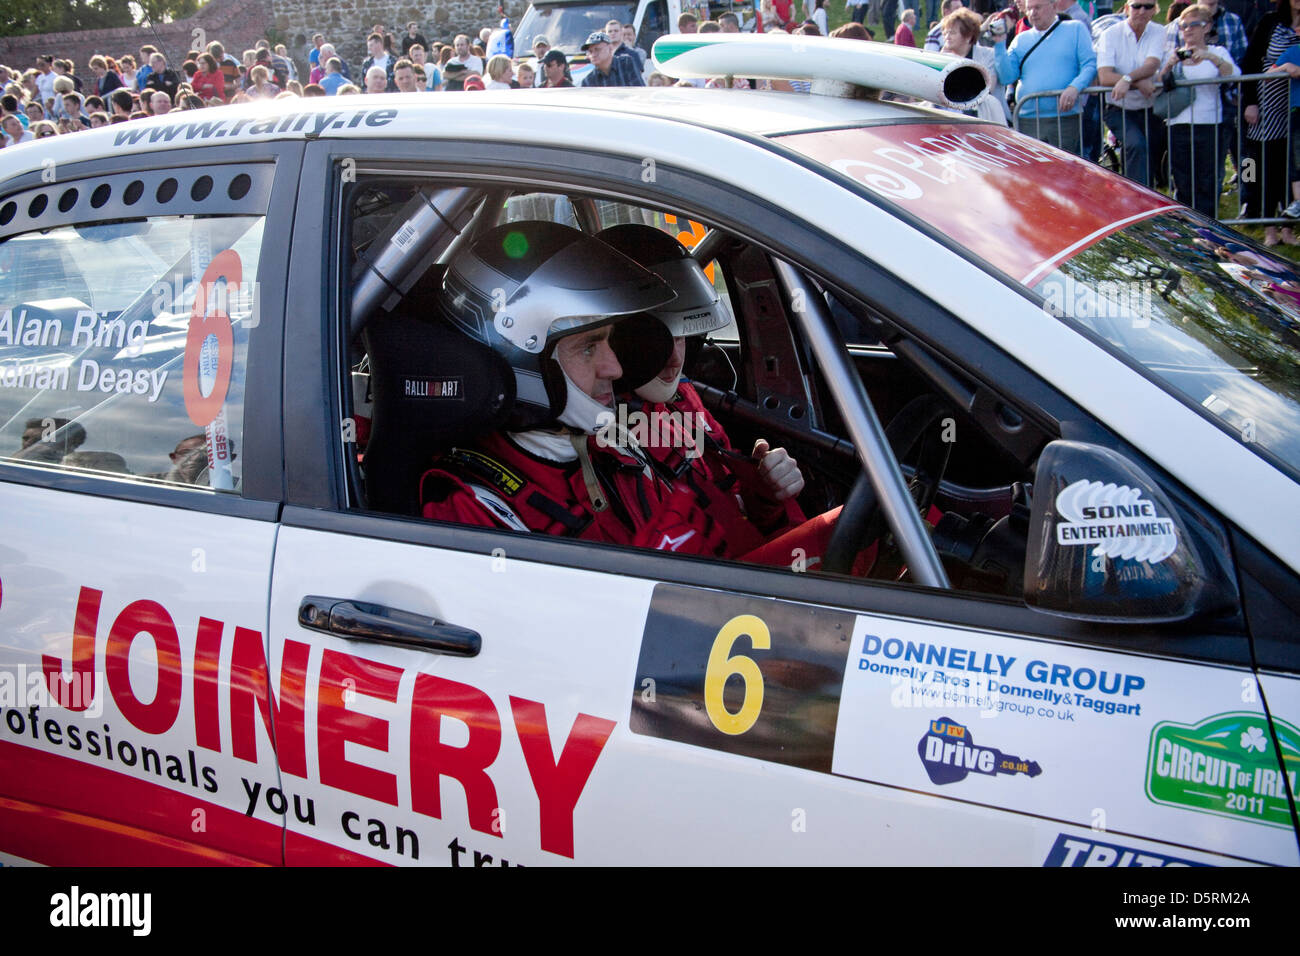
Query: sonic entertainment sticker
x=949 y=753
x=1115 y=518
x=1227 y=765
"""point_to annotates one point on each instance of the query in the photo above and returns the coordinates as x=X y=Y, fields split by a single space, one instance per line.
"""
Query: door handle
x=377 y=624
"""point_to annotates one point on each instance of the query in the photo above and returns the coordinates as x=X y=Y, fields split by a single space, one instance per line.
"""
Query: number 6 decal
x=201 y=408
x=722 y=664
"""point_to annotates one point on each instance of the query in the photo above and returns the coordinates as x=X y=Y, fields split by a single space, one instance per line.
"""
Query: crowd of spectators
x=1048 y=52
x=1043 y=53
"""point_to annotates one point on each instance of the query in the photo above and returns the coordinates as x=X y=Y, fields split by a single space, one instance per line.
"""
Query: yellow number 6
x=722 y=666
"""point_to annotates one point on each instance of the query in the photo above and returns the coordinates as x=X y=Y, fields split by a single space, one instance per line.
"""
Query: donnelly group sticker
x=948 y=753
x=1226 y=765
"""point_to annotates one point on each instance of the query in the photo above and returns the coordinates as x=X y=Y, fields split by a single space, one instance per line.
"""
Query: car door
x=140 y=483
x=443 y=694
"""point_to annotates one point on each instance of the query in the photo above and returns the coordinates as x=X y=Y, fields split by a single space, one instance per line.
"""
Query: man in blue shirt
x=333 y=77
x=1051 y=55
x=608 y=69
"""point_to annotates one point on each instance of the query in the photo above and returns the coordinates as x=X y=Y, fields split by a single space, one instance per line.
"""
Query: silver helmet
x=522 y=286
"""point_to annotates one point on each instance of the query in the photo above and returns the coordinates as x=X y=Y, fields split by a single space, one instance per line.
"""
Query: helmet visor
x=697 y=310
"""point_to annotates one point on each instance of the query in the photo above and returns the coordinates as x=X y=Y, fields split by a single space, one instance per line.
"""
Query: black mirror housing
x=1107 y=544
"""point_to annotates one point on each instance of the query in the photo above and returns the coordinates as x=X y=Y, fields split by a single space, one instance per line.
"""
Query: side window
x=123 y=347
x=653 y=25
x=434 y=438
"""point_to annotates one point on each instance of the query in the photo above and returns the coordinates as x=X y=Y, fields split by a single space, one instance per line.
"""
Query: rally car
x=1061 y=411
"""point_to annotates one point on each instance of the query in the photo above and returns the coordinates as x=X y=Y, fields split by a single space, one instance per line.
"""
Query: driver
x=766 y=483
x=541 y=298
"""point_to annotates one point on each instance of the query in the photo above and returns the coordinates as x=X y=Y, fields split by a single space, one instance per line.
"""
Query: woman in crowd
x=260 y=86
x=819 y=16
x=246 y=68
x=127 y=71
x=500 y=72
x=1194 y=148
x=961 y=33
x=1267 y=104
x=106 y=81
x=209 y=82
x=904 y=36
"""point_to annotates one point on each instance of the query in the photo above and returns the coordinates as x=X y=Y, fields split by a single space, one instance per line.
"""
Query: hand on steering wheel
x=860 y=521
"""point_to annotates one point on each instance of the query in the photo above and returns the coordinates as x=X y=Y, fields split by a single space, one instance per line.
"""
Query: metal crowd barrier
x=1250 y=186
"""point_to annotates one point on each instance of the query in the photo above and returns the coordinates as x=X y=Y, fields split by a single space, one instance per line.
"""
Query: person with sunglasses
x=1129 y=55
x=1192 y=132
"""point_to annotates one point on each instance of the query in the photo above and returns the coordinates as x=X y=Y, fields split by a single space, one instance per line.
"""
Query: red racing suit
x=497 y=483
x=671 y=441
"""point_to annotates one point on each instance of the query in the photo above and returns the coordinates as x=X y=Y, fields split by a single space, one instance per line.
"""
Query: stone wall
x=236 y=23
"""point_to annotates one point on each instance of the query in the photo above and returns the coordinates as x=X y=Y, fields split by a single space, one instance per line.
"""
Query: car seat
x=432 y=387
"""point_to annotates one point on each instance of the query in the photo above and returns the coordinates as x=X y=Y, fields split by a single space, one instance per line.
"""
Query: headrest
x=432 y=384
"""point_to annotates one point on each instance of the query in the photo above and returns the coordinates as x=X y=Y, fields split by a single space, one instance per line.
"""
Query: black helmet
x=520 y=287
x=697 y=309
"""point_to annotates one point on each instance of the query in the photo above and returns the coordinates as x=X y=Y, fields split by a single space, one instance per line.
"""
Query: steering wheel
x=861 y=521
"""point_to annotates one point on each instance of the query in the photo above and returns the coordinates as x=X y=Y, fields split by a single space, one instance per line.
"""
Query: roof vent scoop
x=837 y=67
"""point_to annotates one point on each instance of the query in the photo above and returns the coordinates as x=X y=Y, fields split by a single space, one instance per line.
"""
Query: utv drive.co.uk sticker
x=949 y=753
x=1226 y=765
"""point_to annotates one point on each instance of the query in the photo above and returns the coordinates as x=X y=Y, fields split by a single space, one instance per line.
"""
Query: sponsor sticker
x=949 y=754
x=1076 y=851
x=741 y=674
x=1226 y=765
x=497 y=474
x=992 y=676
x=1116 y=520
x=440 y=388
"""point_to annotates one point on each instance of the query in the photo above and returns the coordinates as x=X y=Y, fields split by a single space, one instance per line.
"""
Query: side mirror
x=1106 y=544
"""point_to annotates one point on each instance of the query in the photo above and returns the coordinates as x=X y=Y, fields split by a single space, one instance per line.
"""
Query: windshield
x=1204 y=314
x=567 y=26
x=1190 y=303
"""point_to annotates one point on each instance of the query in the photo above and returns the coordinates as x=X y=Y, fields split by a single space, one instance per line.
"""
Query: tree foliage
x=20 y=17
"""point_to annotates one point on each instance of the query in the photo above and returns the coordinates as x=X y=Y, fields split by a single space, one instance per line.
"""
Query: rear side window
x=123 y=347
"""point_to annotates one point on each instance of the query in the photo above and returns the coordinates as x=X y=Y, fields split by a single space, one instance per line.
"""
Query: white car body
x=546 y=747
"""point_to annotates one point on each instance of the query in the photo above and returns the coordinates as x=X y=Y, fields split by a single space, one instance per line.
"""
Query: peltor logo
x=948 y=753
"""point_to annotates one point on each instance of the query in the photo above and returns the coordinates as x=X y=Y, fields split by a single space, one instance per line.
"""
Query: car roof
x=740 y=112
